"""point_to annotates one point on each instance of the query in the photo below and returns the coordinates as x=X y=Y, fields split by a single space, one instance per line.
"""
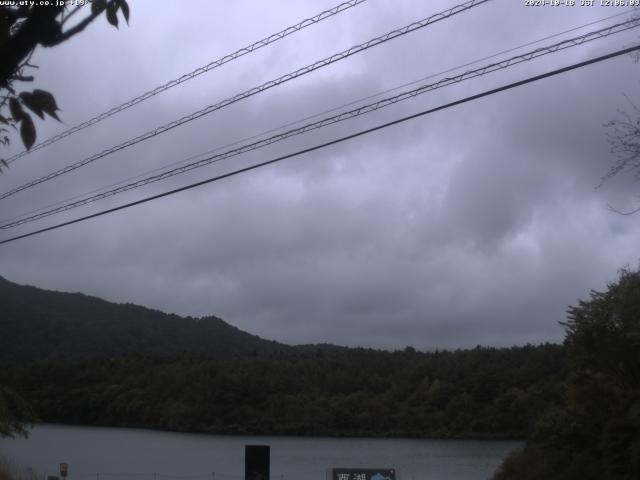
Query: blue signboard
x=363 y=474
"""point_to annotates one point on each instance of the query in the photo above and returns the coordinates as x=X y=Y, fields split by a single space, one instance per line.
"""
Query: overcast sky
x=479 y=224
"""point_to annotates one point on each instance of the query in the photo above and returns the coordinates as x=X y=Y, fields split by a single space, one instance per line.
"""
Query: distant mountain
x=43 y=324
x=81 y=360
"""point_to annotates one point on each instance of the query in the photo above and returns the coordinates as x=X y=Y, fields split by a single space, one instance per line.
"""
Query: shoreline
x=235 y=434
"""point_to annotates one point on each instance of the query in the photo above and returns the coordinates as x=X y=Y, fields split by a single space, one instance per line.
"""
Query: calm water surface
x=126 y=454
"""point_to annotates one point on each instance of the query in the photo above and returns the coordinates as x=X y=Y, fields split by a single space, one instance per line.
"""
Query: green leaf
x=32 y=103
x=111 y=14
x=16 y=109
x=27 y=131
x=45 y=102
x=40 y=102
x=124 y=6
x=98 y=6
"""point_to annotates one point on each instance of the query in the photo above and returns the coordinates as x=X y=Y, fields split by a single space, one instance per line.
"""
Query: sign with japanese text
x=363 y=474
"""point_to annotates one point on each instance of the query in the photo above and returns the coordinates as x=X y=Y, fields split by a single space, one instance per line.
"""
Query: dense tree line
x=16 y=415
x=483 y=392
x=594 y=433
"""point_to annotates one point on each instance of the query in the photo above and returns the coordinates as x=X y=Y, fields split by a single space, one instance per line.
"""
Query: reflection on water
x=126 y=454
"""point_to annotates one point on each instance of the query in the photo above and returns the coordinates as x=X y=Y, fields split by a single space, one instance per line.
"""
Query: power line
x=452 y=69
x=334 y=142
x=198 y=71
x=253 y=91
x=316 y=115
x=383 y=103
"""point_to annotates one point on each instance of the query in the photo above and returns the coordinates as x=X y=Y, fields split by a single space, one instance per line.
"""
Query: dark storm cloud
x=476 y=225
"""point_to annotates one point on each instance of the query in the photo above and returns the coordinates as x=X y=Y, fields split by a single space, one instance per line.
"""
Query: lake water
x=128 y=454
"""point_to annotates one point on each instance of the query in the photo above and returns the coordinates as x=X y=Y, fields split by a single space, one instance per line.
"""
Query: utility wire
x=198 y=71
x=253 y=91
x=493 y=67
x=315 y=115
x=334 y=142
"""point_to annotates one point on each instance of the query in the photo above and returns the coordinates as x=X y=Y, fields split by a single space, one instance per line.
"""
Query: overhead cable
x=385 y=102
x=188 y=76
x=332 y=142
x=316 y=115
x=253 y=91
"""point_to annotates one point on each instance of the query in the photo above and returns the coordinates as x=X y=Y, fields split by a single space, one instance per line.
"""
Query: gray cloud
x=476 y=225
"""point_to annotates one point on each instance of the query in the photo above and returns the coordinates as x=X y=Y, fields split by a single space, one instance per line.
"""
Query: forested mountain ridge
x=38 y=324
x=80 y=359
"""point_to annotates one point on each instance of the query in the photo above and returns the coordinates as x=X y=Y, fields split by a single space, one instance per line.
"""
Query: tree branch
x=39 y=28
x=21 y=78
x=78 y=27
x=71 y=14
